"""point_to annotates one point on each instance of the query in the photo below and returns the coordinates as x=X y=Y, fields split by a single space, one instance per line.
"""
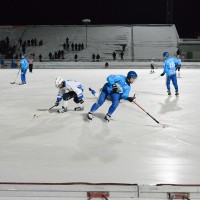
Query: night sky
x=186 y=13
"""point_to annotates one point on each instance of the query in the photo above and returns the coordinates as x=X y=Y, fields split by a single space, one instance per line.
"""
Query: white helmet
x=59 y=82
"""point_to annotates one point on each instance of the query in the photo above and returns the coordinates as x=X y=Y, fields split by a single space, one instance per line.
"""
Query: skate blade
x=88 y=120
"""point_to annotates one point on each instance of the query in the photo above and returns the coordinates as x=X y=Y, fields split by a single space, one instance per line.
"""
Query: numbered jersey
x=170 y=65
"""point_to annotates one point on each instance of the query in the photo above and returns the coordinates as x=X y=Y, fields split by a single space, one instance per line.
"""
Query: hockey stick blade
x=44 y=113
x=162 y=125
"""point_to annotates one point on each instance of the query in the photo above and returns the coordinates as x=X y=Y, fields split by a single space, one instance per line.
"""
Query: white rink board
x=79 y=191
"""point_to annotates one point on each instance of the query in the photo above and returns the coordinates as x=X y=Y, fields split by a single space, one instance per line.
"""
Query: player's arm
x=125 y=94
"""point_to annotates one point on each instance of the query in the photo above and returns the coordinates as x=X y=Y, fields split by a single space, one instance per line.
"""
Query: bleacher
x=142 y=42
x=151 y=40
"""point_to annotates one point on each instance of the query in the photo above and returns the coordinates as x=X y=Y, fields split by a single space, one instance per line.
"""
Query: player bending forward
x=117 y=87
x=67 y=90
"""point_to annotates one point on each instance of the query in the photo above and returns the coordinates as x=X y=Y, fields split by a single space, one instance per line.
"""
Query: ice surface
x=132 y=148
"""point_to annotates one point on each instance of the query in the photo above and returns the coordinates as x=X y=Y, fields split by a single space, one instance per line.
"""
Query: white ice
x=132 y=148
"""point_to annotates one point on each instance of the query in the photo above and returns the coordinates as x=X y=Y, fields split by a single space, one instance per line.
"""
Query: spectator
x=40 y=58
x=76 y=58
x=30 y=62
x=64 y=46
x=123 y=47
x=62 y=54
x=82 y=46
x=67 y=40
x=106 y=65
x=50 y=56
x=122 y=55
x=114 y=55
x=40 y=43
x=29 y=43
x=93 y=57
x=20 y=42
x=56 y=55
x=98 y=57
x=178 y=53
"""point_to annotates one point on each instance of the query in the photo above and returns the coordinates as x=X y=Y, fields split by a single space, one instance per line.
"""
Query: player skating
x=117 y=87
x=67 y=90
x=152 y=66
x=170 y=67
x=23 y=68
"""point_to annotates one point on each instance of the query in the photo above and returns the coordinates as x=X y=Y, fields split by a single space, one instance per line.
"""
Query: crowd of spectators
x=74 y=46
x=56 y=55
x=26 y=43
x=95 y=58
x=6 y=49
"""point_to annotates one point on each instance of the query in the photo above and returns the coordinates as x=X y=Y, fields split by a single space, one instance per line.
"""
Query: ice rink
x=132 y=148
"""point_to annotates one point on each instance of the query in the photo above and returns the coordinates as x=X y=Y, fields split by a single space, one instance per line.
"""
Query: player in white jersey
x=67 y=90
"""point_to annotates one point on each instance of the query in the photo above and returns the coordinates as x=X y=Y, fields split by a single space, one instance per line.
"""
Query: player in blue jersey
x=117 y=87
x=69 y=89
x=23 y=68
x=170 y=67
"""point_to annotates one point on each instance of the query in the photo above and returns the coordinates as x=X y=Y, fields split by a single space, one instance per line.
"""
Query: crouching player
x=69 y=89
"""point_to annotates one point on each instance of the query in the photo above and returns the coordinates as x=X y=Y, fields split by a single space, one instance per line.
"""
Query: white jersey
x=71 y=85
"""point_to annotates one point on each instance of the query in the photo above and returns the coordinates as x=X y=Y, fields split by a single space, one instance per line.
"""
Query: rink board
x=56 y=191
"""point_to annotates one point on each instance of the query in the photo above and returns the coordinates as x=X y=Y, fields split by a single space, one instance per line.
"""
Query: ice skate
x=62 y=110
x=89 y=116
x=169 y=93
x=79 y=108
x=177 y=94
x=107 y=118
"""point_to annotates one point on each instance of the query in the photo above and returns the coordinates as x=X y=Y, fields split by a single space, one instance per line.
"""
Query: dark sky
x=186 y=13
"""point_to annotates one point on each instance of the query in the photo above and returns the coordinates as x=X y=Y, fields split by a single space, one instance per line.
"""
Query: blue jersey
x=121 y=81
x=23 y=64
x=170 y=65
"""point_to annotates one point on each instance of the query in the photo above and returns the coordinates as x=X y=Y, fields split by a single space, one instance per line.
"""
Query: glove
x=115 y=88
x=57 y=103
x=131 y=99
x=162 y=74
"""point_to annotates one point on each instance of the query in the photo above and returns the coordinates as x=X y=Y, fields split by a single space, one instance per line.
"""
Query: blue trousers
x=174 y=82
x=23 y=76
x=115 y=98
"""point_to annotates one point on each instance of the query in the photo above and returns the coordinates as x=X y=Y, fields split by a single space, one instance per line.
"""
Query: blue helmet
x=131 y=74
x=165 y=54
